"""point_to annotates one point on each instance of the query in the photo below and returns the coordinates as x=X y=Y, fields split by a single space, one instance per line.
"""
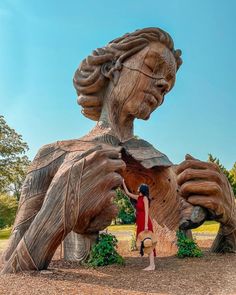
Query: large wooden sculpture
x=70 y=184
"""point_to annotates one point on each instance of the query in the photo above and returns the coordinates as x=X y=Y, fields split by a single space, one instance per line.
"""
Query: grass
x=5 y=233
x=122 y=227
x=211 y=227
x=3 y=244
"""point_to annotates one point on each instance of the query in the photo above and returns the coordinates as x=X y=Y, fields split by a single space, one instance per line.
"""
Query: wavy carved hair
x=89 y=80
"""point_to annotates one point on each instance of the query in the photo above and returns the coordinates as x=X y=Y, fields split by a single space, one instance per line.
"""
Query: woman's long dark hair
x=144 y=190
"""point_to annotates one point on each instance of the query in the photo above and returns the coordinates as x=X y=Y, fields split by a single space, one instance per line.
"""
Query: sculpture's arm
x=81 y=189
x=40 y=174
x=203 y=184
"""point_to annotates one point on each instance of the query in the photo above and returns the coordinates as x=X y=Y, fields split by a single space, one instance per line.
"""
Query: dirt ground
x=212 y=274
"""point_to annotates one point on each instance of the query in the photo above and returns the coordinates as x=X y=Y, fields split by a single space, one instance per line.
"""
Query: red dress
x=140 y=217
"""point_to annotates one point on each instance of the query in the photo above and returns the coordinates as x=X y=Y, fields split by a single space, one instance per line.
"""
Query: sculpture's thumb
x=189 y=157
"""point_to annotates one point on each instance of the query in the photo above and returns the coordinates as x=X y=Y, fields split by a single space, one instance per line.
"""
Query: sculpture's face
x=144 y=80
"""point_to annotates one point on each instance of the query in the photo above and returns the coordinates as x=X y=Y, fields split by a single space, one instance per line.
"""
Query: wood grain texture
x=77 y=247
x=71 y=184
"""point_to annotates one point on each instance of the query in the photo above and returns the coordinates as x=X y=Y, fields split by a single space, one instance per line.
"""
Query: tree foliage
x=231 y=175
x=13 y=161
x=126 y=213
x=8 y=208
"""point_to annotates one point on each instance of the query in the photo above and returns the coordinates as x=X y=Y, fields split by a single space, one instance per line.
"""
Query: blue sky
x=43 y=42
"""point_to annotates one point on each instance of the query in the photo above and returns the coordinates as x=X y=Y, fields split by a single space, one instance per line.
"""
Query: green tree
x=126 y=211
x=13 y=161
x=233 y=171
x=229 y=174
x=232 y=174
x=8 y=208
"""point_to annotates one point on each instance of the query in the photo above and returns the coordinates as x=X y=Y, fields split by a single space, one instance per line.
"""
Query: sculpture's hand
x=100 y=178
x=203 y=184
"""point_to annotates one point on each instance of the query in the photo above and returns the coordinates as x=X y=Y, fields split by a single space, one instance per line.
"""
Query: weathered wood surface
x=70 y=184
x=77 y=247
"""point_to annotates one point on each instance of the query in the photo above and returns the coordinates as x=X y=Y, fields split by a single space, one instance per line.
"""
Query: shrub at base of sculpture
x=187 y=247
x=104 y=251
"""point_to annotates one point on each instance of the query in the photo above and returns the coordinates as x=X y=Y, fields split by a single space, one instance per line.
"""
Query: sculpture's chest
x=164 y=206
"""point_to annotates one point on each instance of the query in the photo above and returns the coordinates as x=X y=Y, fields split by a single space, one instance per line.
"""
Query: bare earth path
x=211 y=274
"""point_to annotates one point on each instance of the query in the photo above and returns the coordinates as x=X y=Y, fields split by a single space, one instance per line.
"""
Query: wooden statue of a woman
x=70 y=184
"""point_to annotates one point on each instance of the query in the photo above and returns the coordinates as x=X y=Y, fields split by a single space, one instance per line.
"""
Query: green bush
x=8 y=208
x=187 y=247
x=104 y=251
x=126 y=213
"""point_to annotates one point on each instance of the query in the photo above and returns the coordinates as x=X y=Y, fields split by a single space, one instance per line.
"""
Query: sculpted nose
x=162 y=85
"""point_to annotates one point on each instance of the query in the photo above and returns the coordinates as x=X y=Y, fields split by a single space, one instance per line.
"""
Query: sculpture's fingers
x=184 y=205
x=107 y=192
x=98 y=198
x=103 y=219
x=114 y=153
x=103 y=201
x=189 y=157
x=101 y=167
x=100 y=191
x=195 y=174
x=112 y=181
x=115 y=165
x=100 y=156
x=199 y=188
x=196 y=164
x=92 y=112
x=211 y=203
x=89 y=101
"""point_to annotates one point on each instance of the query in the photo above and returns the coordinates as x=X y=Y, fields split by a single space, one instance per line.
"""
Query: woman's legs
x=151 y=262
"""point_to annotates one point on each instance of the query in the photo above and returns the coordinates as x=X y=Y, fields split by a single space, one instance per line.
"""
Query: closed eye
x=150 y=68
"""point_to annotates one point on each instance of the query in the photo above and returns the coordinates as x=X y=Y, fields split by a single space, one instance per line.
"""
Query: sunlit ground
x=209 y=227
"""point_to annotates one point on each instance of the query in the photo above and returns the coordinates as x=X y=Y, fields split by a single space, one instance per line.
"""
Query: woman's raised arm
x=128 y=193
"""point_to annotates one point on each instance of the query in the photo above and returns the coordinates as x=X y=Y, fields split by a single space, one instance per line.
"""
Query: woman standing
x=143 y=220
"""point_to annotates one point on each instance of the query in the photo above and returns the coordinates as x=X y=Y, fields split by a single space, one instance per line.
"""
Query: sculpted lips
x=154 y=97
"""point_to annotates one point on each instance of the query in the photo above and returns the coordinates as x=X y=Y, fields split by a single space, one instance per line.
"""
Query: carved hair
x=89 y=80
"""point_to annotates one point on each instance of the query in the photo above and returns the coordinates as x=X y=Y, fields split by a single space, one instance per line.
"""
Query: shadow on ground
x=211 y=274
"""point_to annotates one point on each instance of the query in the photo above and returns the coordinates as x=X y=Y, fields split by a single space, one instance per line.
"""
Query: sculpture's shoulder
x=76 y=145
x=46 y=155
x=46 y=151
x=55 y=152
x=145 y=153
